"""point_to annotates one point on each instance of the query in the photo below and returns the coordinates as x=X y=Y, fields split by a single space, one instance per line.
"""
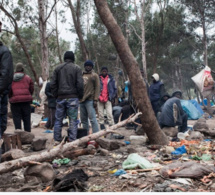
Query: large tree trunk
x=77 y=24
x=43 y=40
x=60 y=149
x=139 y=90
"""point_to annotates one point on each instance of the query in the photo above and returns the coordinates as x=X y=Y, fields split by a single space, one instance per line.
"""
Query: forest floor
x=98 y=168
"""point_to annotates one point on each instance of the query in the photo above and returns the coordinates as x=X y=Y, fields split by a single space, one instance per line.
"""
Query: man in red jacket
x=21 y=98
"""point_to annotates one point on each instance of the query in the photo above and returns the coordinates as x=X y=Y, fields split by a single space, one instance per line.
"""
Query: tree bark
x=77 y=24
x=43 y=40
x=57 y=37
x=139 y=90
x=60 y=149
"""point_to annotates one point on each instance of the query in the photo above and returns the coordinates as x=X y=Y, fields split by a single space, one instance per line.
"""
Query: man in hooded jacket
x=156 y=91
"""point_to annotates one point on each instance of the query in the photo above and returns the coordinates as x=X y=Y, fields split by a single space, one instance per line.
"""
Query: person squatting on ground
x=67 y=88
x=88 y=103
x=156 y=91
x=51 y=107
x=6 y=78
x=21 y=98
x=172 y=113
x=108 y=93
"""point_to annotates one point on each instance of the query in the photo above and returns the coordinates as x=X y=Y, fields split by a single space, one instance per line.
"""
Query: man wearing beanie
x=67 y=87
x=108 y=92
x=21 y=98
x=91 y=94
x=6 y=78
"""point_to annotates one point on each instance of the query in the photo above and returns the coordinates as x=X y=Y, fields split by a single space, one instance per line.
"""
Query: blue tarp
x=192 y=112
x=206 y=103
x=195 y=103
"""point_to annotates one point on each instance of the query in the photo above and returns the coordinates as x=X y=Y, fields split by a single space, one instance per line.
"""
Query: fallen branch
x=60 y=149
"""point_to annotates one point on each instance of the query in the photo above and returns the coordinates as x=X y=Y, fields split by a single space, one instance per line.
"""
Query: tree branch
x=55 y=2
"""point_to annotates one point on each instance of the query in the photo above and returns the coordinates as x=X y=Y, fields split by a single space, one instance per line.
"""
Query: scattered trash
x=206 y=157
x=127 y=142
x=118 y=136
x=119 y=172
x=58 y=162
x=179 y=151
x=95 y=188
x=134 y=161
x=48 y=131
x=71 y=182
x=112 y=171
x=186 y=169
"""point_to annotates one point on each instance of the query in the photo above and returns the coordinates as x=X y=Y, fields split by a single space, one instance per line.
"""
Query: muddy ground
x=98 y=169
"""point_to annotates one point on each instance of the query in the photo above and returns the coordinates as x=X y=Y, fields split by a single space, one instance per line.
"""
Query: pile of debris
x=113 y=161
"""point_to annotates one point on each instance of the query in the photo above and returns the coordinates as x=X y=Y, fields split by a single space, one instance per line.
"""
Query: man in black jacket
x=68 y=87
x=6 y=78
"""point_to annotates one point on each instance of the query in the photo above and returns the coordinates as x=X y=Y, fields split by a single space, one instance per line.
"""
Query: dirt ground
x=98 y=169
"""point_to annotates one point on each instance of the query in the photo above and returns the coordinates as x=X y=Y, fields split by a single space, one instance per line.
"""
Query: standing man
x=6 y=78
x=51 y=107
x=156 y=91
x=21 y=98
x=90 y=99
x=67 y=88
x=107 y=95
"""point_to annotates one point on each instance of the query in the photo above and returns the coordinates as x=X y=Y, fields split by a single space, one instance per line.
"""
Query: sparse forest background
x=178 y=37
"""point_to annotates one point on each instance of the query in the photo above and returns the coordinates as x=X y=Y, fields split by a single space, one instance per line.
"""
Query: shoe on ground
x=56 y=143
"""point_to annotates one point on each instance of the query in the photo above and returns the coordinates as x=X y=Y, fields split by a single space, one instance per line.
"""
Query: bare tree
x=43 y=18
x=77 y=24
x=139 y=89
x=16 y=29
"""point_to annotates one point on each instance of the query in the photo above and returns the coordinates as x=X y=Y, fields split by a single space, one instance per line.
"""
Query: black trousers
x=21 y=111
x=51 y=118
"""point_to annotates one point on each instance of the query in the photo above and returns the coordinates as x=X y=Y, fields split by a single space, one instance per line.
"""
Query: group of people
x=70 y=88
x=73 y=88
x=167 y=109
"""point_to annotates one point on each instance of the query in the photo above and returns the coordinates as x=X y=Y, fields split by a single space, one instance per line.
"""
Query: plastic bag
x=134 y=160
x=203 y=79
x=179 y=151
x=192 y=112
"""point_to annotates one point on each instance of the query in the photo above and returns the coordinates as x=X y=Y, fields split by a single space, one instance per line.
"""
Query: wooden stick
x=60 y=149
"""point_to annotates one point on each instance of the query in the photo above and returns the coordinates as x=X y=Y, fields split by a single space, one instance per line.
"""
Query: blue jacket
x=155 y=91
x=112 y=90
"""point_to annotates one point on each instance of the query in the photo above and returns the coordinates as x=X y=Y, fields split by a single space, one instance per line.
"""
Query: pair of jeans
x=21 y=111
x=88 y=111
x=67 y=107
x=3 y=113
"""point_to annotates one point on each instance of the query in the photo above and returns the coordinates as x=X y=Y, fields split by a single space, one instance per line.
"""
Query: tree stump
x=12 y=141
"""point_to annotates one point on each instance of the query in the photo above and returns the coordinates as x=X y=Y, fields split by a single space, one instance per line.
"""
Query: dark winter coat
x=112 y=90
x=50 y=97
x=67 y=81
x=22 y=88
x=6 y=69
x=156 y=91
x=166 y=118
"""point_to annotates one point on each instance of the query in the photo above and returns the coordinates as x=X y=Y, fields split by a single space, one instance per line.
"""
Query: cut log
x=60 y=149
x=78 y=152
